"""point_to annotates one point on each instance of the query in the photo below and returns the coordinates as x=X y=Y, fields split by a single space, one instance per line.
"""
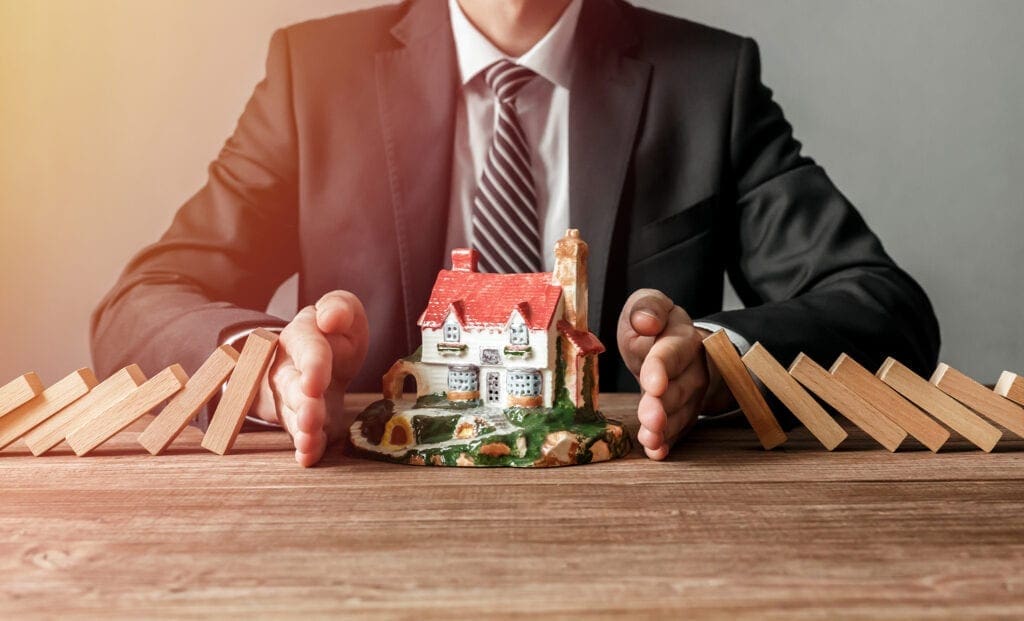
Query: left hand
x=665 y=352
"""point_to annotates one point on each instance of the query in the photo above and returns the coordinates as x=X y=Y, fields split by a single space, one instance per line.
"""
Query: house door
x=493 y=387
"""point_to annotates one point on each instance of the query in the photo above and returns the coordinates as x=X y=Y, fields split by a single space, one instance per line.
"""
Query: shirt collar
x=549 y=58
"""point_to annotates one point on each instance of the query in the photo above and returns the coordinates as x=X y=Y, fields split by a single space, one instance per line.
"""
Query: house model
x=507 y=340
x=506 y=374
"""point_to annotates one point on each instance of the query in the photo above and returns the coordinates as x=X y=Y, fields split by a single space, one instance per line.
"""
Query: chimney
x=571 y=273
x=464 y=260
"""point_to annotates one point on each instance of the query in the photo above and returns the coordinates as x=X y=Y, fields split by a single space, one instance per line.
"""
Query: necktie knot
x=506 y=78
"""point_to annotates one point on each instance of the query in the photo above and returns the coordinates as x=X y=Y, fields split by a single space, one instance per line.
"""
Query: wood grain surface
x=722 y=529
x=19 y=391
x=889 y=402
x=982 y=400
x=940 y=405
x=183 y=408
x=859 y=412
x=86 y=437
x=111 y=390
x=240 y=392
x=55 y=398
x=721 y=350
x=789 y=391
x=1011 y=386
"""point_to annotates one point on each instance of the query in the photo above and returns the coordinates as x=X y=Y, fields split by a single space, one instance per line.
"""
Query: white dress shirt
x=543 y=109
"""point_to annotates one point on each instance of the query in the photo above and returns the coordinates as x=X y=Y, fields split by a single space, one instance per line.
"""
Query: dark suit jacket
x=682 y=167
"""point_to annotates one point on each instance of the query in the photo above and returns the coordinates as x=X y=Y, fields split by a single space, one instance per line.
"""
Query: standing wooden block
x=111 y=390
x=980 y=399
x=15 y=424
x=860 y=413
x=794 y=397
x=241 y=391
x=939 y=404
x=84 y=438
x=19 y=391
x=187 y=403
x=1011 y=386
x=889 y=402
x=742 y=386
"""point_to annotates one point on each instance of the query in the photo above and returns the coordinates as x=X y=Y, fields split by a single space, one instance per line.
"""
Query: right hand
x=318 y=354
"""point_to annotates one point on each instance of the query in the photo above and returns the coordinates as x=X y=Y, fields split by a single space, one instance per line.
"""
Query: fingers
x=310 y=352
x=299 y=413
x=304 y=417
x=342 y=319
x=340 y=312
x=669 y=357
x=661 y=427
x=675 y=378
x=647 y=314
x=649 y=311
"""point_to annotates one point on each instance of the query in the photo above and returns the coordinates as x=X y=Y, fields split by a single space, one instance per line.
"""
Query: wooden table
x=723 y=529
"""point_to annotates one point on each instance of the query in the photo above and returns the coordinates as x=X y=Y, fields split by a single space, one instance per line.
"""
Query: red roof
x=482 y=300
x=586 y=342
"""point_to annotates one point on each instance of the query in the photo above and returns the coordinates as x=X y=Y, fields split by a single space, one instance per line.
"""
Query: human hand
x=318 y=354
x=665 y=352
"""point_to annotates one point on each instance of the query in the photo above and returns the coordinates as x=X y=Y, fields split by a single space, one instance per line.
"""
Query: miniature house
x=506 y=340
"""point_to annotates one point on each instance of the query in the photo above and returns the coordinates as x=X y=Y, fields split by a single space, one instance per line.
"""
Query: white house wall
x=542 y=356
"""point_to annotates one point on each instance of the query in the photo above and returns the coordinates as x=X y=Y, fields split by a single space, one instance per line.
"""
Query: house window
x=524 y=383
x=463 y=379
x=490 y=356
x=452 y=332
x=517 y=333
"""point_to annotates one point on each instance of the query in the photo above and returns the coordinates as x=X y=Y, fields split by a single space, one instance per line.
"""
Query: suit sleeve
x=226 y=251
x=813 y=276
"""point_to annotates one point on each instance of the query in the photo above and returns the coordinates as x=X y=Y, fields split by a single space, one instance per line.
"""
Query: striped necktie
x=506 y=226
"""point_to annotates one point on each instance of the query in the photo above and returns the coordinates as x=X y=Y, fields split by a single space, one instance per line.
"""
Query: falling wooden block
x=85 y=437
x=860 y=413
x=1011 y=386
x=15 y=424
x=980 y=399
x=774 y=376
x=723 y=353
x=19 y=391
x=187 y=403
x=240 y=392
x=940 y=405
x=889 y=402
x=111 y=390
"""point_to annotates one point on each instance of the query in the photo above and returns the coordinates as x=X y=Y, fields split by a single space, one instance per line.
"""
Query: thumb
x=649 y=310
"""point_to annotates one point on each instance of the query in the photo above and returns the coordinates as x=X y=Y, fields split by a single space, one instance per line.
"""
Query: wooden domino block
x=724 y=354
x=889 y=402
x=85 y=437
x=1011 y=386
x=940 y=405
x=19 y=391
x=240 y=392
x=187 y=403
x=774 y=376
x=980 y=399
x=860 y=413
x=111 y=390
x=15 y=424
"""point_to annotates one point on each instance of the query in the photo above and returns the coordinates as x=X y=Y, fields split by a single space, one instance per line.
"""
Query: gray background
x=111 y=110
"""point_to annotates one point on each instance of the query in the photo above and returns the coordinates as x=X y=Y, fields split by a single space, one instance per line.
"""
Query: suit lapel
x=417 y=85
x=606 y=100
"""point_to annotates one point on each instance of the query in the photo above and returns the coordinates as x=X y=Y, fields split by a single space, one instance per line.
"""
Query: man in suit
x=380 y=139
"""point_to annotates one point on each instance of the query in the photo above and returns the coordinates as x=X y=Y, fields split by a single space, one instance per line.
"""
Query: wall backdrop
x=110 y=111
